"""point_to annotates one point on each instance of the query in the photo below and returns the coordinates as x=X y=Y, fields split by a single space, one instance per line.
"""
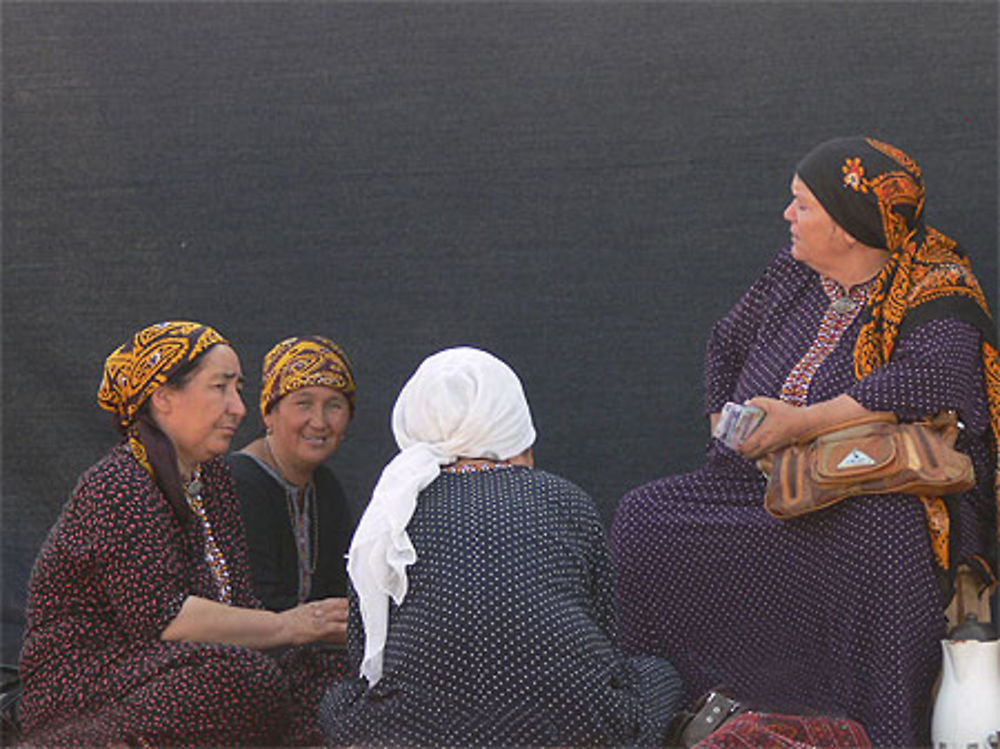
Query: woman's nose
x=317 y=417
x=789 y=214
x=236 y=404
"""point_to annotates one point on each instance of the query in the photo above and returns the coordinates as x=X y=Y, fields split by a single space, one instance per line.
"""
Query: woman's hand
x=317 y=621
x=782 y=423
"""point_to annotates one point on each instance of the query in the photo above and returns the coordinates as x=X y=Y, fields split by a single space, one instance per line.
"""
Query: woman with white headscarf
x=483 y=611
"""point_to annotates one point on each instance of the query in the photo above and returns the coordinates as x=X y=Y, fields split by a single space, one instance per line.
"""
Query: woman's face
x=817 y=240
x=307 y=425
x=201 y=416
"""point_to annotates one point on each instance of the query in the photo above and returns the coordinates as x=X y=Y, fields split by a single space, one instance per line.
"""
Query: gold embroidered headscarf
x=132 y=373
x=876 y=193
x=304 y=361
x=134 y=370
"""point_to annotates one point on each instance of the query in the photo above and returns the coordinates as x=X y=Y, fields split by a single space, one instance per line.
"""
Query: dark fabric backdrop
x=582 y=188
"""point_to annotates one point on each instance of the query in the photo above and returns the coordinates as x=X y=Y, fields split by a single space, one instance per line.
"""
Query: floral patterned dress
x=113 y=572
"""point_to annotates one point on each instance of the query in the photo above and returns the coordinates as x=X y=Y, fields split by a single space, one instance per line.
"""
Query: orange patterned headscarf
x=304 y=361
x=135 y=370
x=132 y=373
x=876 y=193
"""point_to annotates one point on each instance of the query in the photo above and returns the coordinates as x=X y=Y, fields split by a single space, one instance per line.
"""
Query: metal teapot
x=967 y=708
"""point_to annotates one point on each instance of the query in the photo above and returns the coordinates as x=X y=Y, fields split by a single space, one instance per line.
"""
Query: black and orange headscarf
x=132 y=373
x=875 y=192
x=304 y=361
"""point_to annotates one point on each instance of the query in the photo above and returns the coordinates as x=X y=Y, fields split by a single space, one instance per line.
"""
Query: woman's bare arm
x=203 y=620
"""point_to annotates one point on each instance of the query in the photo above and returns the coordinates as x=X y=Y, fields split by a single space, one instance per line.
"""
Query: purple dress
x=837 y=611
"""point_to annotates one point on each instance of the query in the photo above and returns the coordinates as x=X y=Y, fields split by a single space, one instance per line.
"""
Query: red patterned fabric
x=115 y=570
x=769 y=731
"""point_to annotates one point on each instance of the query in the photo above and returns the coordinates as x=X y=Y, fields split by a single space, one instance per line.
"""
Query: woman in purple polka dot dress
x=484 y=608
x=838 y=611
x=141 y=627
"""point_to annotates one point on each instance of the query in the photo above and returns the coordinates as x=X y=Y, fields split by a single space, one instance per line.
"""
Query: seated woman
x=297 y=521
x=501 y=628
x=141 y=625
x=840 y=610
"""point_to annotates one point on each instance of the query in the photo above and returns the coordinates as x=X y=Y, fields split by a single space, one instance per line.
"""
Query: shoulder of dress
x=117 y=484
x=239 y=464
x=118 y=466
x=553 y=483
x=785 y=267
x=250 y=479
x=325 y=478
x=217 y=471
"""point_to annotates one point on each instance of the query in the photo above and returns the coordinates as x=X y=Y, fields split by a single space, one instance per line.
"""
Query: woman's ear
x=845 y=238
x=161 y=401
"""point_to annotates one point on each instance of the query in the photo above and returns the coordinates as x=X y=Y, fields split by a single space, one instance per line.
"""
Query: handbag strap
x=875 y=417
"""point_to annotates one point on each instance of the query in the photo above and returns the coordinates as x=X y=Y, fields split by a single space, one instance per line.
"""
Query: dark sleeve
x=602 y=580
x=336 y=529
x=355 y=631
x=270 y=546
x=588 y=542
x=733 y=336
x=139 y=547
x=937 y=366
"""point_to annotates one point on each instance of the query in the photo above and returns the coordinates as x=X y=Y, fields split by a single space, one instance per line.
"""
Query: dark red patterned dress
x=114 y=571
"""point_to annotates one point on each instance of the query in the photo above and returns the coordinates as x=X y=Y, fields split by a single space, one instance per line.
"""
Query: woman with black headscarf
x=841 y=610
x=141 y=625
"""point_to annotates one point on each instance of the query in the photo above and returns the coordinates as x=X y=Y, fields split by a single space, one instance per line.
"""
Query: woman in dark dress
x=841 y=610
x=297 y=519
x=141 y=625
x=484 y=612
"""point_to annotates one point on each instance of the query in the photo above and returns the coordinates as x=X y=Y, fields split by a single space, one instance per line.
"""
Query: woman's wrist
x=827 y=413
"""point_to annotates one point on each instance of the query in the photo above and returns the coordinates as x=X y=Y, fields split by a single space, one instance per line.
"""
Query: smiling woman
x=296 y=515
x=142 y=626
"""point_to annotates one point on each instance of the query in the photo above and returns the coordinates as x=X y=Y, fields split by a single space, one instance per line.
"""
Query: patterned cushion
x=772 y=731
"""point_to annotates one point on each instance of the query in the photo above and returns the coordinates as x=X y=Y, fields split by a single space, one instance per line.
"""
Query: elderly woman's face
x=307 y=425
x=202 y=415
x=817 y=240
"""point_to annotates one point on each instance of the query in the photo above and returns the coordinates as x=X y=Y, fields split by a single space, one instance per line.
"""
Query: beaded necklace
x=213 y=555
x=840 y=313
x=486 y=465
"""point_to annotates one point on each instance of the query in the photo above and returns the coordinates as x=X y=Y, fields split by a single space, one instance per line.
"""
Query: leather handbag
x=872 y=454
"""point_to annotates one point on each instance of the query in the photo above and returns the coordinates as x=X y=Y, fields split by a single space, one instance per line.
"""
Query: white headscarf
x=461 y=402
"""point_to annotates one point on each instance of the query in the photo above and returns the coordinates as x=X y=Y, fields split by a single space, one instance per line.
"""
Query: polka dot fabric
x=835 y=611
x=114 y=571
x=507 y=635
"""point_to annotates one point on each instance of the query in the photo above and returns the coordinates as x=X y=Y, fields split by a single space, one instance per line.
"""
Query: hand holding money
x=736 y=423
